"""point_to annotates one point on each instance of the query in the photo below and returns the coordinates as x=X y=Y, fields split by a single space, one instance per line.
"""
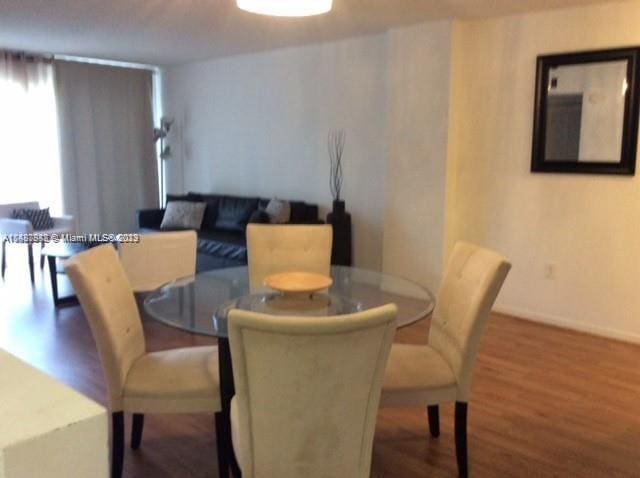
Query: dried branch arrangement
x=335 y=144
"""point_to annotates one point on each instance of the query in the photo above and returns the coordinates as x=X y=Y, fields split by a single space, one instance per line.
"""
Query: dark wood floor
x=546 y=402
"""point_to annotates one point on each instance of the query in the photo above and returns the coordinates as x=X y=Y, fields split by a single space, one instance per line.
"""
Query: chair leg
x=41 y=256
x=136 y=430
x=4 y=256
x=434 y=420
x=117 y=444
x=30 y=252
x=461 y=438
x=223 y=462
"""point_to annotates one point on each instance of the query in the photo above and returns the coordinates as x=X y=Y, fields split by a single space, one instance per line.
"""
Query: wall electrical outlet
x=549 y=270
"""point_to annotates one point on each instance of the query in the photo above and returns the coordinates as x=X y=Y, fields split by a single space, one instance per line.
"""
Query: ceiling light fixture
x=286 y=8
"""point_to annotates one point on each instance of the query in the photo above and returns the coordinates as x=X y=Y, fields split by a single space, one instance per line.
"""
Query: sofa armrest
x=149 y=218
x=15 y=226
x=66 y=223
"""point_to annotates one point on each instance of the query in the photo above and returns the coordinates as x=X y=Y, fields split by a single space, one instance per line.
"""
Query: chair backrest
x=159 y=258
x=7 y=209
x=284 y=248
x=108 y=303
x=308 y=390
x=471 y=282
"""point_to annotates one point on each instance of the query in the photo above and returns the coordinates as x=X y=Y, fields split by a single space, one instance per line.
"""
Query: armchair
x=10 y=226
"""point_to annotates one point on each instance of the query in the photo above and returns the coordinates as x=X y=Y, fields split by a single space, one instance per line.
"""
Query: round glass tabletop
x=200 y=303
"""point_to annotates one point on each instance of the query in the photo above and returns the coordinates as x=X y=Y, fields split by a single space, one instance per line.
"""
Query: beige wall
x=417 y=115
x=257 y=125
x=586 y=227
x=424 y=107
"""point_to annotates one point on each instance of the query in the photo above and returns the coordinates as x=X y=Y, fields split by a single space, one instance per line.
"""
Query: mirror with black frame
x=586 y=112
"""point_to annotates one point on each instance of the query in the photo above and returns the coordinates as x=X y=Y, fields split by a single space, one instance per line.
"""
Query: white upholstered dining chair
x=441 y=371
x=284 y=248
x=159 y=258
x=181 y=380
x=307 y=391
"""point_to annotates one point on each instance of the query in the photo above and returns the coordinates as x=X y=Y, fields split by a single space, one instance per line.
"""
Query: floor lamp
x=160 y=134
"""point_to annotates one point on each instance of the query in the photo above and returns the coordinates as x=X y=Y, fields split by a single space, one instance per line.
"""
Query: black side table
x=341 y=222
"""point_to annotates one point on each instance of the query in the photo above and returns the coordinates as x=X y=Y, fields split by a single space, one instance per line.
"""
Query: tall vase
x=340 y=220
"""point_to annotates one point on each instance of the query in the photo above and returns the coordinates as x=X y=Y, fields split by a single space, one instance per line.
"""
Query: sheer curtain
x=107 y=152
x=29 y=154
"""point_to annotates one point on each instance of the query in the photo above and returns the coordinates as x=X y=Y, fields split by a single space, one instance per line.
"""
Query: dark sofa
x=221 y=238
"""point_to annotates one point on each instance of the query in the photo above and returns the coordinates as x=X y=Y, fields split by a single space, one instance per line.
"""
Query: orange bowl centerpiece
x=298 y=283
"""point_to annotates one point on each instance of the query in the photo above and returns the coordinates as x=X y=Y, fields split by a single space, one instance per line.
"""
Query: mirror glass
x=585 y=112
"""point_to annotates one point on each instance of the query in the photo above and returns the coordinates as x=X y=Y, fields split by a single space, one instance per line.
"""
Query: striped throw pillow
x=40 y=218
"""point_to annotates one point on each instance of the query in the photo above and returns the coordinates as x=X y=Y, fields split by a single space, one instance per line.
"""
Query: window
x=29 y=149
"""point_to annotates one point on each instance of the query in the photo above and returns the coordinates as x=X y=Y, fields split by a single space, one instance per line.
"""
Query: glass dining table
x=201 y=303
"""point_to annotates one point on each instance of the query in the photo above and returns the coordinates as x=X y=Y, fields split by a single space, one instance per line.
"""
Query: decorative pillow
x=179 y=197
x=279 y=211
x=183 y=215
x=234 y=212
x=40 y=218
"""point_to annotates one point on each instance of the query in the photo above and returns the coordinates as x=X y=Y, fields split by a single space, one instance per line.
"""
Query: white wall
x=418 y=105
x=258 y=125
x=585 y=226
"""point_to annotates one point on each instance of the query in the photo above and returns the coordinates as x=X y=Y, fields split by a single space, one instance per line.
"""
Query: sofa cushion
x=312 y=214
x=259 y=216
x=234 y=212
x=176 y=197
x=183 y=197
x=221 y=243
x=299 y=212
x=211 y=212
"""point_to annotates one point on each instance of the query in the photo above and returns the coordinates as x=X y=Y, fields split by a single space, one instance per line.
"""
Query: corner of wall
x=456 y=106
x=418 y=69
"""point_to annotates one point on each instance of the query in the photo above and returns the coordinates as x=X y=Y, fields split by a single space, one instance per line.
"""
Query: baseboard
x=565 y=323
